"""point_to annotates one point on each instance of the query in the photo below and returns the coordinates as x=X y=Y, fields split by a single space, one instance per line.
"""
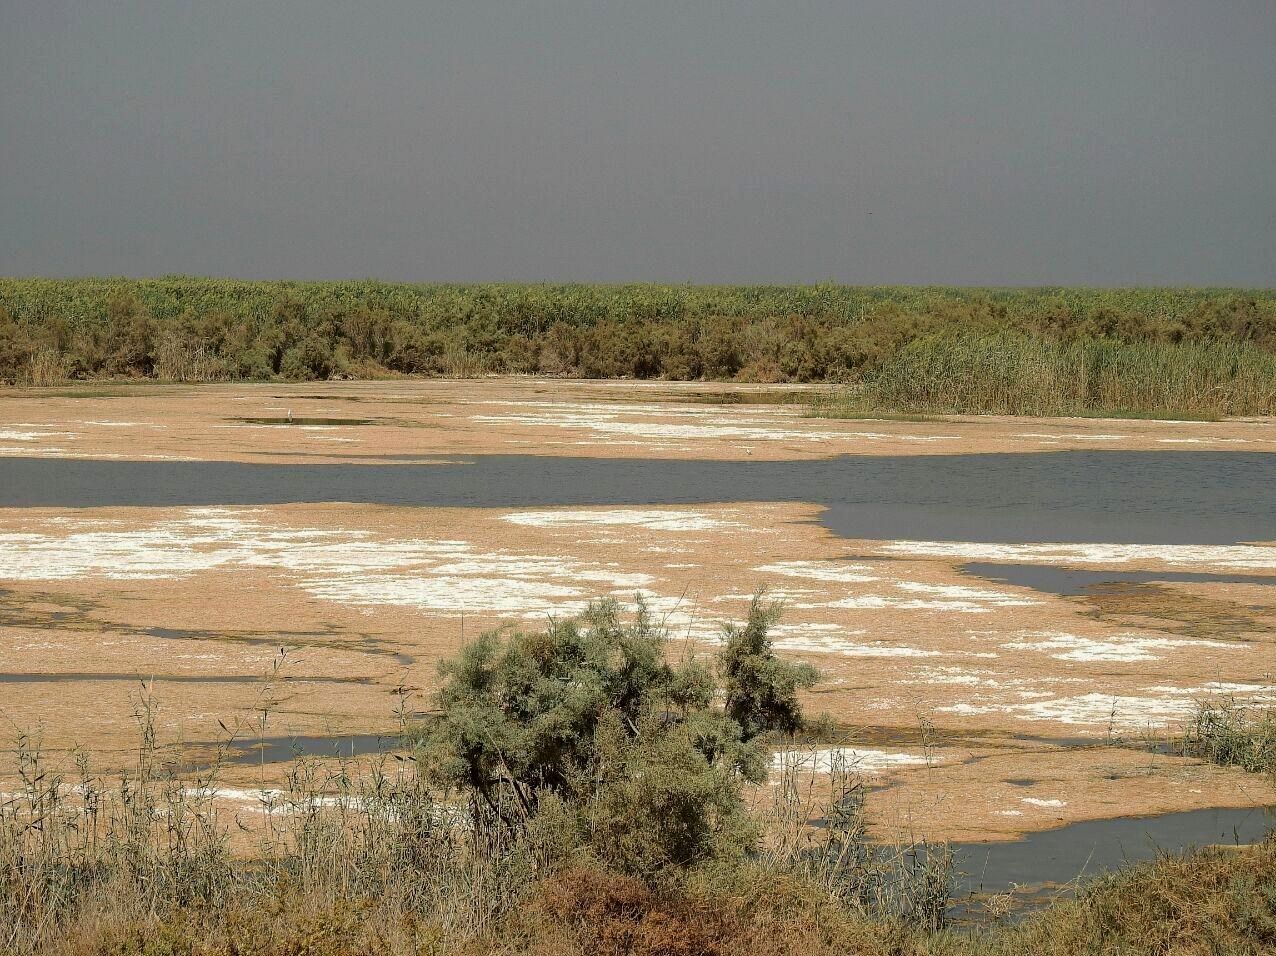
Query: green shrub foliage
x=591 y=721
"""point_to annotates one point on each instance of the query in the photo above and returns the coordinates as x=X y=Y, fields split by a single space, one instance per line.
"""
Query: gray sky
x=1111 y=142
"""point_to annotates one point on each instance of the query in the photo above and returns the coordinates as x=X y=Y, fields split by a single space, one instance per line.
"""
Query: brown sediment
x=1224 y=612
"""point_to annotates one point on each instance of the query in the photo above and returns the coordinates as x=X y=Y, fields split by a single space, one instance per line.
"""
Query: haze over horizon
x=970 y=142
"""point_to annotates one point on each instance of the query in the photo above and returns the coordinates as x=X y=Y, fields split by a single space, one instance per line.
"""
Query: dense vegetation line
x=191 y=329
x=580 y=790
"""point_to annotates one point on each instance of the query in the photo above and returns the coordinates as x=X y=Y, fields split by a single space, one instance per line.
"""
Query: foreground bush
x=589 y=724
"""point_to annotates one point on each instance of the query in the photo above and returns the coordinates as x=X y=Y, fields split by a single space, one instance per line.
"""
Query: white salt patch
x=1104 y=708
x=350 y=566
x=651 y=520
x=815 y=645
x=996 y=598
x=1204 y=441
x=539 y=566
x=953 y=598
x=46 y=451
x=967 y=709
x=454 y=595
x=1119 y=647
x=607 y=420
x=819 y=571
x=1230 y=556
x=1074 y=436
x=960 y=677
x=784 y=595
x=1254 y=693
x=607 y=426
x=827 y=760
x=1037 y=802
x=833 y=639
x=870 y=602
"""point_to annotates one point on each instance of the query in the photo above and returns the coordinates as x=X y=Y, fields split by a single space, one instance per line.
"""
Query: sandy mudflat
x=981 y=708
x=335 y=421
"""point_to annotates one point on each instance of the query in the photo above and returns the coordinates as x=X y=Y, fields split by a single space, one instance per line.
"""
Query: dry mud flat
x=342 y=421
x=982 y=707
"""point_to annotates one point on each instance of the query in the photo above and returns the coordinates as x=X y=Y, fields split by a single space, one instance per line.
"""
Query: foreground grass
x=1214 y=901
x=575 y=793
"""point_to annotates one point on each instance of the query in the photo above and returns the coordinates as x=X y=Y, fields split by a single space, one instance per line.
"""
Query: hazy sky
x=972 y=142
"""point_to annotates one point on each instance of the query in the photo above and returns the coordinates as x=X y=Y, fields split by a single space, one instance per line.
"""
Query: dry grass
x=1007 y=374
x=46 y=367
x=363 y=858
x=1230 y=734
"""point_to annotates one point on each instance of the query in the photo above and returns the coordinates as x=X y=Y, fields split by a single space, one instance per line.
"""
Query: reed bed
x=1007 y=374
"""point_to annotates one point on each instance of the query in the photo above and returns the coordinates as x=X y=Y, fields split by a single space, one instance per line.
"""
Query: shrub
x=590 y=715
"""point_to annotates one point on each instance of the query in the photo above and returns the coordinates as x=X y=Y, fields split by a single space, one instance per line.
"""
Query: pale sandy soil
x=436 y=418
x=981 y=709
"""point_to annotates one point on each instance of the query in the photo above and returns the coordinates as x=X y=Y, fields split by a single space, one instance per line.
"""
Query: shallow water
x=95 y=676
x=1073 y=582
x=1039 y=864
x=281 y=749
x=303 y=421
x=1119 y=497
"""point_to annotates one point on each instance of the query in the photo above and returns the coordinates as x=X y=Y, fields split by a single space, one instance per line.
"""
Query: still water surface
x=1118 y=497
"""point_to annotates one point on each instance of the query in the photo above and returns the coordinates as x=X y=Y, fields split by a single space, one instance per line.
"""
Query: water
x=1039 y=865
x=283 y=749
x=303 y=421
x=94 y=676
x=1146 y=497
x=1072 y=582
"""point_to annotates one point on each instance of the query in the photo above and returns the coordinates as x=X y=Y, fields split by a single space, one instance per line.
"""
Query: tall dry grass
x=1231 y=734
x=46 y=367
x=360 y=856
x=1021 y=375
x=160 y=845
